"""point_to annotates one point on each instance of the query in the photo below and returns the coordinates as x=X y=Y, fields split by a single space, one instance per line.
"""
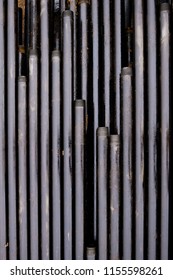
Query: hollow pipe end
x=32 y=52
x=164 y=6
x=55 y=53
x=115 y=138
x=102 y=131
x=126 y=71
x=22 y=79
x=67 y=13
x=91 y=251
x=79 y=102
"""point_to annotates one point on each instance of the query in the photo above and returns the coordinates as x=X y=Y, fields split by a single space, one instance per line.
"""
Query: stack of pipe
x=85 y=129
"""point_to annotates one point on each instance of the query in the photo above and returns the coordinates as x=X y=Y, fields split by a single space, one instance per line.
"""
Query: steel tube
x=22 y=168
x=127 y=170
x=73 y=8
x=106 y=63
x=102 y=191
x=45 y=219
x=165 y=124
x=91 y=253
x=56 y=154
x=67 y=66
x=117 y=63
x=11 y=127
x=57 y=24
x=3 y=227
x=139 y=127
x=33 y=154
x=114 y=204
x=152 y=127
x=83 y=51
x=33 y=42
x=95 y=89
x=79 y=146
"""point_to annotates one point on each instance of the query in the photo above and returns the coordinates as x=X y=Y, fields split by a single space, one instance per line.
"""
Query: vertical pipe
x=127 y=36
x=106 y=60
x=114 y=206
x=79 y=145
x=152 y=127
x=11 y=124
x=2 y=138
x=22 y=168
x=127 y=12
x=117 y=62
x=33 y=20
x=57 y=24
x=67 y=71
x=95 y=87
x=83 y=50
x=33 y=152
x=45 y=129
x=139 y=128
x=56 y=154
x=127 y=171
x=73 y=8
x=31 y=24
x=63 y=5
x=26 y=39
x=165 y=130
x=91 y=253
x=102 y=154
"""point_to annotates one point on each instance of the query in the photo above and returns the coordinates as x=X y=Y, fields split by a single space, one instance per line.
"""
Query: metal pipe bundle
x=85 y=129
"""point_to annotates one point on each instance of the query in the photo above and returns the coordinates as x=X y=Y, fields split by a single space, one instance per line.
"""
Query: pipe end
x=22 y=79
x=115 y=139
x=79 y=102
x=126 y=71
x=164 y=7
x=102 y=131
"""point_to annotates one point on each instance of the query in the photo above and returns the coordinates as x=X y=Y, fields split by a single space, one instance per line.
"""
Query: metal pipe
x=63 y=5
x=57 y=24
x=91 y=253
x=73 y=8
x=22 y=168
x=83 y=48
x=11 y=127
x=45 y=219
x=117 y=63
x=152 y=127
x=106 y=63
x=95 y=88
x=114 y=204
x=139 y=127
x=102 y=191
x=56 y=154
x=165 y=124
x=3 y=213
x=33 y=153
x=127 y=170
x=127 y=32
x=79 y=159
x=67 y=66
x=33 y=20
